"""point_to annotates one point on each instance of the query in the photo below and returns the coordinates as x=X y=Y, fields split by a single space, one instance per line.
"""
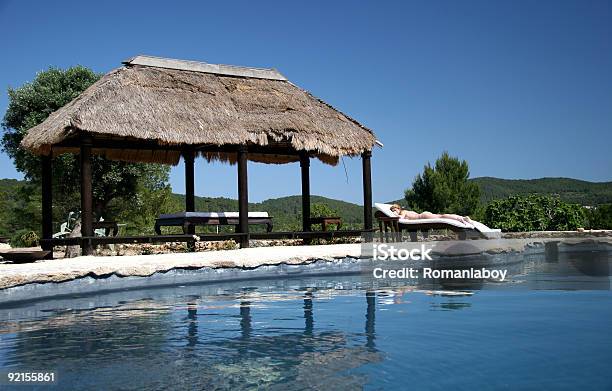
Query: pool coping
x=52 y=277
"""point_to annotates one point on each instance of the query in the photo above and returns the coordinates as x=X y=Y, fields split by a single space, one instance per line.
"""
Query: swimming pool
x=548 y=326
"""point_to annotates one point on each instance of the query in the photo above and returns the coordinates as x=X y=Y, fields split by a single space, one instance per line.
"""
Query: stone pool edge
x=92 y=274
x=63 y=270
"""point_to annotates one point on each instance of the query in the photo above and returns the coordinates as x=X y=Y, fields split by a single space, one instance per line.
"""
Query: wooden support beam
x=86 y=193
x=47 y=200
x=189 y=158
x=243 y=197
x=367 y=190
x=151 y=145
x=305 y=166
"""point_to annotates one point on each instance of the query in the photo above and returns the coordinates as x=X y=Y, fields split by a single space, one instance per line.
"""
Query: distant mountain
x=570 y=190
x=287 y=210
x=8 y=185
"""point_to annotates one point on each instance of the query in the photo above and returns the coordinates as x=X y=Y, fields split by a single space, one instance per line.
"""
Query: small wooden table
x=325 y=221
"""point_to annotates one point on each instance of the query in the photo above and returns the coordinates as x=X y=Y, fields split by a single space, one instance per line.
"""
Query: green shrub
x=600 y=217
x=534 y=213
x=479 y=213
x=24 y=238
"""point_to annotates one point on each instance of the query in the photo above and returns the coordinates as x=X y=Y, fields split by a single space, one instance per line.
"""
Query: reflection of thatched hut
x=157 y=110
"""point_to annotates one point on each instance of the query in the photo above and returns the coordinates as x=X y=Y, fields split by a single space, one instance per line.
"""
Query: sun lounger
x=387 y=219
x=187 y=219
x=67 y=226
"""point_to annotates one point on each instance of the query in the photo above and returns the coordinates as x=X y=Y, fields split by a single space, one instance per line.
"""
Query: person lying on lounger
x=412 y=215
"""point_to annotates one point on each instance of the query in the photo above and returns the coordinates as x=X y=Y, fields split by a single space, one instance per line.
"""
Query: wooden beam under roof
x=281 y=149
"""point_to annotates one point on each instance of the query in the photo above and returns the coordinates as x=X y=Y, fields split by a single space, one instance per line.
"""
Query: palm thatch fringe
x=177 y=107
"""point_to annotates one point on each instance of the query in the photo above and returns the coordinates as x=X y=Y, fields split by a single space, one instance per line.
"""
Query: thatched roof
x=152 y=102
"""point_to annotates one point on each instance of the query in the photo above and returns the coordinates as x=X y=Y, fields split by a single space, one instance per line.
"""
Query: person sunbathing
x=412 y=215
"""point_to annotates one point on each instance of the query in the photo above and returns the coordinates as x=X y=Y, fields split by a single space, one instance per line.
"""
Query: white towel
x=489 y=232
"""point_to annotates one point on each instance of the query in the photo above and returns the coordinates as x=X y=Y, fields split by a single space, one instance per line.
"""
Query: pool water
x=548 y=327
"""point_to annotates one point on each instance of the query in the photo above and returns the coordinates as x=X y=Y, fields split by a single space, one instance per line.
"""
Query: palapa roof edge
x=182 y=103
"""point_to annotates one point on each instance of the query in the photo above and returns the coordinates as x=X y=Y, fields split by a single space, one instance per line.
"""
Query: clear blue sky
x=520 y=89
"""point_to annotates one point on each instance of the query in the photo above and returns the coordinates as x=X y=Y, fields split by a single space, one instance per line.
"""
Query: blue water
x=549 y=327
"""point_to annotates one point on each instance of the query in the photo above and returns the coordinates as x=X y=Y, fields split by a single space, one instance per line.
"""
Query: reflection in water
x=596 y=265
x=264 y=337
x=551 y=252
x=370 y=319
x=308 y=315
x=142 y=336
x=449 y=306
x=192 y=328
x=245 y=319
x=575 y=269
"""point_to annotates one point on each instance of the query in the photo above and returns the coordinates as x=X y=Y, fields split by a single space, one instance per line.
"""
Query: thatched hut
x=157 y=110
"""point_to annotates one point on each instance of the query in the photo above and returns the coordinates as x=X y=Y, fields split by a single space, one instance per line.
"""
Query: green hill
x=9 y=185
x=16 y=212
x=286 y=211
x=570 y=190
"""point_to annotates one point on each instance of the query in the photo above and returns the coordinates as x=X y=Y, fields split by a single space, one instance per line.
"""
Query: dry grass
x=177 y=107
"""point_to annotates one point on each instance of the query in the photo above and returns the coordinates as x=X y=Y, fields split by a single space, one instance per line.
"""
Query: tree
x=444 y=188
x=31 y=104
x=522 y=213
x=320 y=209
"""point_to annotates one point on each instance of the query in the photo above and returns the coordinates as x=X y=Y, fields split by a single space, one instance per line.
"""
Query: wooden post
x=47 y=201
x=367 y=190
x=189 y=158
x=86 y=195
x=243 y=197
x=305 y=166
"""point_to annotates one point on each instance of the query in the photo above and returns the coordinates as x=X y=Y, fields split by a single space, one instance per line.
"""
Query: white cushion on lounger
x=385 y=208
x=489 y=232
x=452 y=222
x=212 y=215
